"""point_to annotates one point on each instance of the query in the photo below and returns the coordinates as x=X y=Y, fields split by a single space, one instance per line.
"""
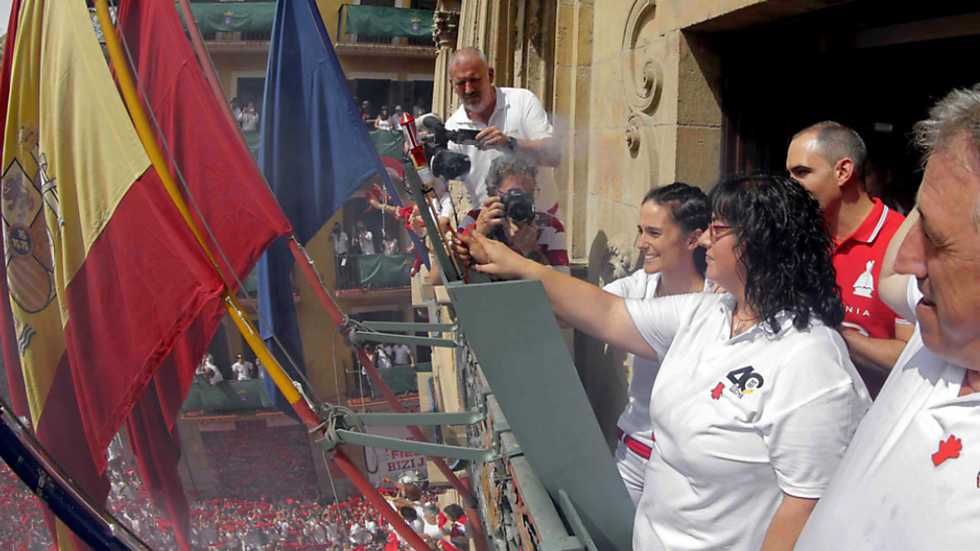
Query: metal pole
x=305 y=264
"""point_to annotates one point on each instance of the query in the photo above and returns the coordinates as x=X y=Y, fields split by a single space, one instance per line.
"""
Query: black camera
x=449 y=164
x=518 y=205
x=446 y=164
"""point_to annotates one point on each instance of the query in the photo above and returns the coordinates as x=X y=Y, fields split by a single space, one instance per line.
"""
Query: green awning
x=225 y=17
x=381 y=21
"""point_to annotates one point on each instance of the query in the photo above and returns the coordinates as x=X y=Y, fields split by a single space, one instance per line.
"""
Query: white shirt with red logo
x=738 y=420
x=911 y=477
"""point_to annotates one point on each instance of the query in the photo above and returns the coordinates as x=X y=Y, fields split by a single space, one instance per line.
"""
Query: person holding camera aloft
x=508 y=214
x=507 y=121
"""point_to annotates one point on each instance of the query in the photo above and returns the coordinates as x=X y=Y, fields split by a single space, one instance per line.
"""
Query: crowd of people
x=246 y=115
x=22 y=526
x=362 y=242
x=387 y=119
x=247 y=524
x=241 y=370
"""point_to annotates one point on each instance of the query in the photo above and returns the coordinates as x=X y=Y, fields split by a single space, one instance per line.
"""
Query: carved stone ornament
x=644 y=78
x=633 y=134
x=445 y=28
x=643 y=75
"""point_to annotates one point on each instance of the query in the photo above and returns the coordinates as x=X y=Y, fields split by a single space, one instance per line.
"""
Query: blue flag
x=314 y=151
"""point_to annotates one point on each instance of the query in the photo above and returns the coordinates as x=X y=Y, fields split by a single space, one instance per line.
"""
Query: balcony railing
x=384 y=26
x=374 y=271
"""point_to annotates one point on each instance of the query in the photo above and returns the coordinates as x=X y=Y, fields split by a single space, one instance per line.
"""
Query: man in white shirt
x=910 y=479
x=403 y=355
x=365 y=239
x=509 y=120
x=242 y=368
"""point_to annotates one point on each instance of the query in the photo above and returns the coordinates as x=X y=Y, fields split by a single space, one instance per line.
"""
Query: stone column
x=445 y=31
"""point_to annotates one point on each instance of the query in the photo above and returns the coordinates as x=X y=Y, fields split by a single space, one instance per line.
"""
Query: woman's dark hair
x=688 y=206
x=784 y=249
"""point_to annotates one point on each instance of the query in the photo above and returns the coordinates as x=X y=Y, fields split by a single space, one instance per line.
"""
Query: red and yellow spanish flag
x=104 y=276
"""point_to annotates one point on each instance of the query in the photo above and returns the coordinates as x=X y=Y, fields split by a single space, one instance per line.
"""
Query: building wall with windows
x=384 y=69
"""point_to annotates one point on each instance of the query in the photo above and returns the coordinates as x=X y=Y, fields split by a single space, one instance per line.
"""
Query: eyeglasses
x=716 y=231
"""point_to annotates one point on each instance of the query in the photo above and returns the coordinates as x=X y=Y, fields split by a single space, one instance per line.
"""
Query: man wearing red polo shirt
x=828 y=159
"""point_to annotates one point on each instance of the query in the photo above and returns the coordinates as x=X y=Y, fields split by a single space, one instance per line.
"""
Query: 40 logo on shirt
x=745 y=380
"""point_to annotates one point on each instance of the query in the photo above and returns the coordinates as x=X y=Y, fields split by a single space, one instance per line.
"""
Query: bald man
x=828 y=159
x=509 y=120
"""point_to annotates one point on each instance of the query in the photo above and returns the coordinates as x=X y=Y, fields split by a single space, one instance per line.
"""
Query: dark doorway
x=873 y=70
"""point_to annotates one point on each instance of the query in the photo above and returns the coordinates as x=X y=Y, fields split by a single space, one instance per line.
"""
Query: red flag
x=228 y=193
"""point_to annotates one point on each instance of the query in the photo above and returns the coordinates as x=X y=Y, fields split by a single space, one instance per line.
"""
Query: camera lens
x=518 y=205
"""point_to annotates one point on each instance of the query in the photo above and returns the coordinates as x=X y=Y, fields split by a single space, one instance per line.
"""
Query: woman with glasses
x=672 y=219
x=756 y=398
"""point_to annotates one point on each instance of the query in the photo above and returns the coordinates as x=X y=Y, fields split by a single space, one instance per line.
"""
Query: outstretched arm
x=893 y=287
x=580 y=304
x=788 y=522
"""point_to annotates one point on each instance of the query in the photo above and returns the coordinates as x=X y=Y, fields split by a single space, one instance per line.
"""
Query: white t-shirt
x=381 y=359
x=900 y=487
x=341 y=244
x=242 y=370
x=214 y=374
x=635 y=419
x=738 y=421
x=366 y=240
x=518 y=114
x=403 y=354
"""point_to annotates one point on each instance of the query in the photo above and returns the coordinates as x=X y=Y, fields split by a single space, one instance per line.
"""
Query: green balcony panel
x=381 y=21
x=227 y=17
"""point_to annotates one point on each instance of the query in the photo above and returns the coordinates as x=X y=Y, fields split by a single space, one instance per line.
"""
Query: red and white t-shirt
x=551 y=238
x=858 y=260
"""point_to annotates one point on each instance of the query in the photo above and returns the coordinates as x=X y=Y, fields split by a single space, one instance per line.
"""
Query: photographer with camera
x=508 y=214
x=505 y=121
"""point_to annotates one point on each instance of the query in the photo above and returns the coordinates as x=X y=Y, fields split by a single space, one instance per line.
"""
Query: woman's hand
x=492 y=257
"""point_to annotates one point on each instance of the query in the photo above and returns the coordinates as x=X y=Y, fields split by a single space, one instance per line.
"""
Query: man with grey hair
x=828 y=158
x=911 y=476
x=509 y=120
x=509 y=214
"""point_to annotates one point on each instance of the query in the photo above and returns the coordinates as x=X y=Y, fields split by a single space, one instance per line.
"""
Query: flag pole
x=307 y=267
x=276 y=372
